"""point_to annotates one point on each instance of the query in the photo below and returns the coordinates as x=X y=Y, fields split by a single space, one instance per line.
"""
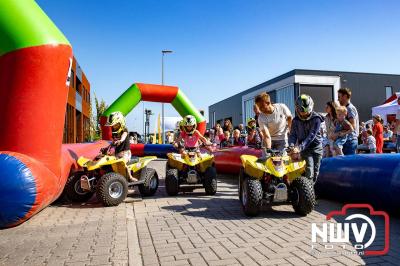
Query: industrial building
x=368 y=90
x=77 y=116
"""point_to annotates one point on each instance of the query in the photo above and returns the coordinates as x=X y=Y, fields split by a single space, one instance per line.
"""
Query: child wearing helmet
x=120 y=133
x=306 y=134
x=189 y=135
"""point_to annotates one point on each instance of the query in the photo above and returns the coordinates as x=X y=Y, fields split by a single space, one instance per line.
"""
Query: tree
x=101 y=107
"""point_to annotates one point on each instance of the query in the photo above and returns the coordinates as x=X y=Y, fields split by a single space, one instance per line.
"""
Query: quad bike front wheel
x=302 y=196
x=210 y=180
x=112 y=189
x=73 y=190
x=150 y=185
x=172 y=182
x=252 y=194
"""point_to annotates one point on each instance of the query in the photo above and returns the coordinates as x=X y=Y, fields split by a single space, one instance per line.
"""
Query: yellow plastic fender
x=175 y=160
x=95 y=164
x=278 y=166
x=143 y=162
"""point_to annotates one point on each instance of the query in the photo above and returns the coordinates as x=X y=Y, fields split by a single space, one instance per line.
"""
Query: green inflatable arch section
x=152 y=93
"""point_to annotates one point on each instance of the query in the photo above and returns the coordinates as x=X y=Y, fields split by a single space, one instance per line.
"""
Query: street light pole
x=162 y=83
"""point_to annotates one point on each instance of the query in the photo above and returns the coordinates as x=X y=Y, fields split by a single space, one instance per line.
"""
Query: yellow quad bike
x=190 y=172
x=273 y=181
x=107 y=176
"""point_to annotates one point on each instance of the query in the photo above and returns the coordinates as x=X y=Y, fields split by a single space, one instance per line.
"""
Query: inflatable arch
x=152 y=93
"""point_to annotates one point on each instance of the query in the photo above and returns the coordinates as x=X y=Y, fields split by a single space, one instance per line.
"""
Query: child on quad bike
x=306 y=134
x=190 y=136
x=121 y=144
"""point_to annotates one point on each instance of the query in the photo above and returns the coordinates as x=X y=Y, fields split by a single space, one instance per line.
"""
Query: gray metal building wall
x=230 y=107
x=368 y=90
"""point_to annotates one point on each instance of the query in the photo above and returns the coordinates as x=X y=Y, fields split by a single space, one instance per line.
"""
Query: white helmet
x=189 y=120
x=115 y=118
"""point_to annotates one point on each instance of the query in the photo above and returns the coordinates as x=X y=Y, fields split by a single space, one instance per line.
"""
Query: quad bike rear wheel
x=112 y=189
x=252 y=194
x=210 y=180
x=172 y=182
x=73 y=190
x=150 y=185
x=303 y=196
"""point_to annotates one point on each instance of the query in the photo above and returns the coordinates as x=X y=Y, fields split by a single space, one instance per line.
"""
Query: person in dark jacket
x=305 y=133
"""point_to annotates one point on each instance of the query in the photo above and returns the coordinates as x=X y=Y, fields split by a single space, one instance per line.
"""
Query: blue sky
x=222 y=47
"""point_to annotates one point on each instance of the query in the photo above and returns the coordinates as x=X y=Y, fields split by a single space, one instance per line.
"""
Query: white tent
x=389 y=108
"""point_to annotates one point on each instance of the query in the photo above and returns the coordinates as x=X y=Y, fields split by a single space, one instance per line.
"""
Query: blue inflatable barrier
x=366 y=178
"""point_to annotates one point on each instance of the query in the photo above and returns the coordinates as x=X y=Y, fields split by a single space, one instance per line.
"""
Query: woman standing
x=228 y=126
x=378 y=132
x=330 y=127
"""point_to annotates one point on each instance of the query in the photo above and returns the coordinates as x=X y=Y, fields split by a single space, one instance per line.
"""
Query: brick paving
x=190 y=229
x=69 y=235
x=195 y=229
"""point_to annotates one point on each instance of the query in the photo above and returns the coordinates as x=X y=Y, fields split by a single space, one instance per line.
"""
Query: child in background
x=226 y=142
x=237 y=139
x=207 y=135
x=342 y=129
x=370 y=143
x=242 y=130
x=254 y=137
x=218 y=134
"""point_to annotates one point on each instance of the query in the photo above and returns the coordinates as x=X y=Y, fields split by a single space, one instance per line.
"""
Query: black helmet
x=304 y=104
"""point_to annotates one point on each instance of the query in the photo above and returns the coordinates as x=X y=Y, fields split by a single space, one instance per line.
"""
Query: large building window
x=248 y=109
x=69 y=126
x=72 y=79
x=213 y=120
x=389 y=91
x=286 y=95
x=321 y=94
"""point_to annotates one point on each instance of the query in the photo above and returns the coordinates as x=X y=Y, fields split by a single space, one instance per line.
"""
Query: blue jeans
x=350 y=147
x=340 y=141
x=313 y=162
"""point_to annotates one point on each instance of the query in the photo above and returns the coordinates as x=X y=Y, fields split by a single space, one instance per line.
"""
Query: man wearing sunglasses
x=275 y=121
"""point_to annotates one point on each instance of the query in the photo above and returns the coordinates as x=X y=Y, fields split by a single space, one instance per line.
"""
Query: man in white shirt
x=274 y=121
